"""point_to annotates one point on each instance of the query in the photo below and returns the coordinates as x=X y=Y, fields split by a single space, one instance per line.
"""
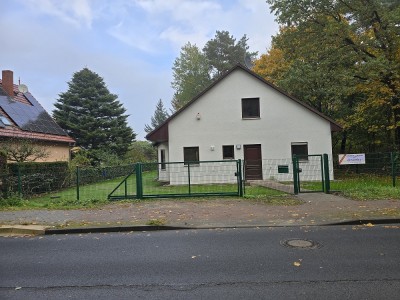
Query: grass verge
x=361 y=187
x=95 y=195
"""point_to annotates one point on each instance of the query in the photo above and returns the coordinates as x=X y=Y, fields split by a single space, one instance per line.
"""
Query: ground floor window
x=191 y=154
x=228 y=152
x=300 y=149
x=162 y=159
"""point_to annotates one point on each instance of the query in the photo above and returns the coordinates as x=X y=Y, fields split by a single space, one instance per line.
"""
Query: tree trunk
x=343 y=143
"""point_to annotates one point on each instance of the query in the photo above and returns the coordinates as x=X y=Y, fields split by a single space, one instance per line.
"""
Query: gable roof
x=160 y=134
x=27 y=118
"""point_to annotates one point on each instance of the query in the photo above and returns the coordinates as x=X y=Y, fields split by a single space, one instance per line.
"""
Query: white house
x=240 y=116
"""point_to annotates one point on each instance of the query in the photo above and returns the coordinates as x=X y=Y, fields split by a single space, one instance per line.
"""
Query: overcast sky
x=131 y=44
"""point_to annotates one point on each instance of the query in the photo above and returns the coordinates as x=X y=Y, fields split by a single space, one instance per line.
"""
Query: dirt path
x=316 y=209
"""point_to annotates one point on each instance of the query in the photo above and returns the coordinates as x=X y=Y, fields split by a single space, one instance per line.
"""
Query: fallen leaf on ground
x=297 y=264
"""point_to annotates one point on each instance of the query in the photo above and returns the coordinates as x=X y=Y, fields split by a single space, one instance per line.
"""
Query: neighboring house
x=242 y=116
x=22 y=117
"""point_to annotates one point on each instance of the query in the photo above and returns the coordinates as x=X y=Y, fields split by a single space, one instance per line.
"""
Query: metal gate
x=311 y=169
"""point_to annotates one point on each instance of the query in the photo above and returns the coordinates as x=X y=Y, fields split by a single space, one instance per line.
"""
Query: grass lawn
x=361 y=187
x=93 y=195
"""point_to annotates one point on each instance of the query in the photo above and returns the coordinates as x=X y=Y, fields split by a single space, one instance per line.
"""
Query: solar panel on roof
x=30 y=117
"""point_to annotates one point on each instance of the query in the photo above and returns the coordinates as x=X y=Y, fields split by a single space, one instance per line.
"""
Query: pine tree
x=92 y=115
x=223 y=52
x=195 y=69
x=160 y=115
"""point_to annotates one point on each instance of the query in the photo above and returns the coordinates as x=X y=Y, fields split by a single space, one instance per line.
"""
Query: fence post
x=295 y=175
x=393 y=157
x=126 y=189
x=77 y=183
x=190 y=191
x=326 y=174
x=240 y=179
x=19 y=181
x=139 y=183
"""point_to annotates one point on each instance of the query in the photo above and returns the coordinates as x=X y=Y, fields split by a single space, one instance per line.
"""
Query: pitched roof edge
x=334 y=125
x=17 y=133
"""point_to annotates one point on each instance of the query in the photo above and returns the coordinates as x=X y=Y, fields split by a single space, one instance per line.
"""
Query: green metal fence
x=181 y=179
x=313 y=168
x=60 y=181
x=385 y=167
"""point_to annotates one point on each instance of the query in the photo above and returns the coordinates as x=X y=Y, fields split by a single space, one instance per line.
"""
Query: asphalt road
x=346 y=262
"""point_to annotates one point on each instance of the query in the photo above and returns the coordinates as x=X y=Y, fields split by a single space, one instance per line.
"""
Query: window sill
x=250 y=118
x=192 y=165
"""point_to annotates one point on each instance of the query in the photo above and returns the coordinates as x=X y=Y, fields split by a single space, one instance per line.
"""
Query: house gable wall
x=282 y=121
x=56 y=151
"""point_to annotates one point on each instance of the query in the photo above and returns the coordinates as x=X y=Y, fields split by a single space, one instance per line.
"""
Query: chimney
x=8 y=82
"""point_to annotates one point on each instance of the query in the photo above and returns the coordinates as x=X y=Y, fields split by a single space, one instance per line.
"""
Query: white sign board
x=352 y=159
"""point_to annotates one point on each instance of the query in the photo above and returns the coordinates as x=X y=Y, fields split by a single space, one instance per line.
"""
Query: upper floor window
x=250 y=108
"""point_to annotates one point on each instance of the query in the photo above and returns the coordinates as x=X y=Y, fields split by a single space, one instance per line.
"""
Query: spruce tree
x=160 y=115
x=92 y=115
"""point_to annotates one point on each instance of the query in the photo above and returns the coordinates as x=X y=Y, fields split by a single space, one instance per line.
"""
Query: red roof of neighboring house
x=27 y=118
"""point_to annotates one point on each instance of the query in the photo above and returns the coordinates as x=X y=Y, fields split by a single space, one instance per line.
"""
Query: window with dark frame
x=191 y=154
x=162 y=158
x=300 y=150
x=250 y=108
x=228 y=152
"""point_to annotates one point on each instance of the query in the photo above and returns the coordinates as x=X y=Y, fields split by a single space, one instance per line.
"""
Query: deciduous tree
x=194 y=69
x=349 y=49
x=190 y=71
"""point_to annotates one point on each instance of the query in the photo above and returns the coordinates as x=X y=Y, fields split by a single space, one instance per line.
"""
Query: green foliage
x=12 y=200
x=80 y=159
x=141 y=151
x=361 y=187
x=190 y=71
x=92 y=115
x=160 y=115
x=194 y=69
x=36 y=178
x=223 y=52
x=101 y=157
x=343 y=58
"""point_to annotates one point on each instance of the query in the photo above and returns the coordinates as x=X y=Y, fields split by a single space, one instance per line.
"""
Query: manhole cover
x=300 y=243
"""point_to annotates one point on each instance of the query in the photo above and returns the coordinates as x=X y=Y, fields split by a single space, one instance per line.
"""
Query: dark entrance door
x=252 y=162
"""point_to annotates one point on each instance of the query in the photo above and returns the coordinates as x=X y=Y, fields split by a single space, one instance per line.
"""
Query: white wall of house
x=163 y=171
x=282 y=122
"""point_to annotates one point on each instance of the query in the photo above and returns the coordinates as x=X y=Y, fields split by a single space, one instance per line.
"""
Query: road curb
x=111 y=229
x=366 y=221
x=9 y=230
x=22 y=230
